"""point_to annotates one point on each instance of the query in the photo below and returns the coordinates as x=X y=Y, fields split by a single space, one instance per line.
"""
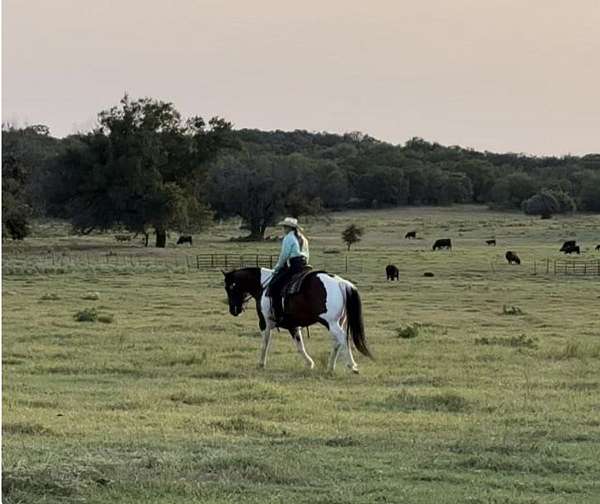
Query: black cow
x=574 y=248
x=568 y=245
x=410 y=234
x=491 y=242
x=511 y=257
x=392 y=273
x=442 y=243
x=597 y=247
x=184 y=239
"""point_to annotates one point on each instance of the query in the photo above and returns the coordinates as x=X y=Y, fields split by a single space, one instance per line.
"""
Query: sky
x=497 y=75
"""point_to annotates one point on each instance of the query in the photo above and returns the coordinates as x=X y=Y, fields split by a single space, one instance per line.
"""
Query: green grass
x=165 y=404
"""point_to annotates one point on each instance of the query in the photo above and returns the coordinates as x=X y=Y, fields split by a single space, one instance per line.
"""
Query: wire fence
x=56 y=263
x=64 y=263
x=581 y=267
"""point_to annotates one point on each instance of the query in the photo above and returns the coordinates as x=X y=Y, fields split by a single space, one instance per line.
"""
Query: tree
x=351 y=235
x=143 y=167
x=512 y=190
x=543 y=204
x=25 y=153
x=261 y=189
x=590 y=191
x=383 y=186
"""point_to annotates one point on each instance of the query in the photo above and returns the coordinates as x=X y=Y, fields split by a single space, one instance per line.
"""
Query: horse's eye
x=233 y=285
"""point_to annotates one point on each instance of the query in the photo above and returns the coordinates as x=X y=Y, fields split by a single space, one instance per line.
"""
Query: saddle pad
x=294 y=285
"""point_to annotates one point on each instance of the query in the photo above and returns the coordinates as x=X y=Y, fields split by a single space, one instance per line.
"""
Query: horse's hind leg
x=335 y=350
x=297 y=337
x=340 y=337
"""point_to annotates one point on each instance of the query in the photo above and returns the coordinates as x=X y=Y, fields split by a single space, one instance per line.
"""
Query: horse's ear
x=224 y=274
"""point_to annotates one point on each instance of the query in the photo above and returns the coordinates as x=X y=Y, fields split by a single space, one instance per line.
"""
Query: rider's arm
x=289 y=248
x=286 y=250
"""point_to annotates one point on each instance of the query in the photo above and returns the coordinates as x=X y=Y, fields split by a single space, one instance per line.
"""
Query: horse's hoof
x=354 y=370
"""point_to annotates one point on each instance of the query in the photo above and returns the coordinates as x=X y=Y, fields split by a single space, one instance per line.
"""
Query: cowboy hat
x=290 y=222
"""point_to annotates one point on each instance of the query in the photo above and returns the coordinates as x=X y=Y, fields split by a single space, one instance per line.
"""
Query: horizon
x=399 y=144
x=499 y=77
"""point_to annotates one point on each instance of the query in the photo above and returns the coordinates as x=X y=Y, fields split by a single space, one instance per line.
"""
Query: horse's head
x=240 y=285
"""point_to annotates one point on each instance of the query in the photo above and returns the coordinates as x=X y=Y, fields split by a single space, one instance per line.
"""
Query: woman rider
x=293 y=259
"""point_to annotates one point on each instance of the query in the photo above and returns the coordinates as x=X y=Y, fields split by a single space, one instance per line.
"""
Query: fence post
x=257 y=260
x=346 y=263
x=198 y=262
x=225 y=261
x=270 y=262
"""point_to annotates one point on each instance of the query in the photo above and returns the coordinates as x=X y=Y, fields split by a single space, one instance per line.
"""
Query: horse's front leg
x=264 y=322
x=266 y=341
x=297 y=337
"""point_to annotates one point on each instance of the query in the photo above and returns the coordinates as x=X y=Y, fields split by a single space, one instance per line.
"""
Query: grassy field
x=485 y=388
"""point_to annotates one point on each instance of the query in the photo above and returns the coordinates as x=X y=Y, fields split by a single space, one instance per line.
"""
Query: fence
x=567 y=267
x=201 y=262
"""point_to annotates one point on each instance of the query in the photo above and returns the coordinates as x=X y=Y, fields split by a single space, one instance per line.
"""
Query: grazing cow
x=491 y=242
x=574 y=248
x=410 y=235
x=392 y=272
x=442 y=243
x=568 y=245
x=511 y=257
x=184 y=239
x=597 y=247
x=123 y=238
x=428 y=274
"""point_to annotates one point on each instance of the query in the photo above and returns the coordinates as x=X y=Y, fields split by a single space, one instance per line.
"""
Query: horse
x=323 y=298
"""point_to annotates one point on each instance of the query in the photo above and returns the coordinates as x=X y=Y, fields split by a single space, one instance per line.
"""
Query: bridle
x=246 y=297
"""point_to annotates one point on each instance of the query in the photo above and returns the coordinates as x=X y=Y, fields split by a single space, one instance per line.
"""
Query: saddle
x=294 y=284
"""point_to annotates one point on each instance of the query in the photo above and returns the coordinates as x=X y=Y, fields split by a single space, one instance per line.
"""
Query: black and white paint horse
x=325 y=299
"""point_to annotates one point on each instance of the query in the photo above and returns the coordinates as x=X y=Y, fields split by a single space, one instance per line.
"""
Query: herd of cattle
x=392 y=272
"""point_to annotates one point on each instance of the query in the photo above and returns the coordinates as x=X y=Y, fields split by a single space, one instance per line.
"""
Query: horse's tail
x=356 y=326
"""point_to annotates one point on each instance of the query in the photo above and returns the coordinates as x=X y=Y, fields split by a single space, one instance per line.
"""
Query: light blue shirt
x=291 y=248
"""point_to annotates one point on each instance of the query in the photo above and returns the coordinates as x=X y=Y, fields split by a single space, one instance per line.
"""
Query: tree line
x=144 y=167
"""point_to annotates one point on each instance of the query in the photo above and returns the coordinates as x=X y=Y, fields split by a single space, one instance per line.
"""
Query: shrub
x=512 y=341
x=408 y=332
x=50 y=296
x=86 y=315
x=511 y=310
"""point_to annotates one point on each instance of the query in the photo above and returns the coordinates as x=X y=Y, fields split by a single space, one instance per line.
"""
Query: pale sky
x=500 y=75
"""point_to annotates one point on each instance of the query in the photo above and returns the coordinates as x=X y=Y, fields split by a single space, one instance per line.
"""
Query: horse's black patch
x=261 y=320
x=323 y=322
